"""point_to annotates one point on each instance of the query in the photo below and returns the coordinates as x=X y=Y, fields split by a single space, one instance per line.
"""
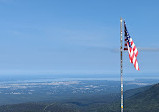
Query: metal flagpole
x=121 y=63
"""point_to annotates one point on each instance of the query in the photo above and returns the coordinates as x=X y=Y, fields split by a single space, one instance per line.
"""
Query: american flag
x=130 y=46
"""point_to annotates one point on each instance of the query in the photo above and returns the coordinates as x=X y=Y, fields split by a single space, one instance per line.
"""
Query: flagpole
x=121 y=64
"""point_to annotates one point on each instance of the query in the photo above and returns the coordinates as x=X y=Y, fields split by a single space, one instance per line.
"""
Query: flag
x=130 y=46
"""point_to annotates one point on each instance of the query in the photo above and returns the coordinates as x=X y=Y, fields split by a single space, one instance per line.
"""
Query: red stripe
x=133 y=55
x=134 y=48
x=136 y=53
x=132 y=43
x=130 y=55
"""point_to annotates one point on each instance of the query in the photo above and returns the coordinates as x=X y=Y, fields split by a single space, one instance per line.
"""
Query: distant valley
x=71 y=94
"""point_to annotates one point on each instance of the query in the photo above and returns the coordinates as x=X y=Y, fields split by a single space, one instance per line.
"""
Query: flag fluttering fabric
x=130 y=46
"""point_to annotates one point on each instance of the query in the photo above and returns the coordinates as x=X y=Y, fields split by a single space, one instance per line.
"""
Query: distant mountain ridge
x=146 y=101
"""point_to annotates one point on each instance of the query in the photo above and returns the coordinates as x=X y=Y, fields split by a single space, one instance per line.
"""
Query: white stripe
x=133 y=45
x=134 y=60
x=137 y=67
x=135 y=51
x=131 y=52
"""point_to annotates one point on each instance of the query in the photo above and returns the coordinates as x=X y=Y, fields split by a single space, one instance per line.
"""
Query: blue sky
x=76 y=36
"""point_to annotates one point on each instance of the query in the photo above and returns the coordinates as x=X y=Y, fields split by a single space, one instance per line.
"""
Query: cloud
x=149 y=49
x=140 y=49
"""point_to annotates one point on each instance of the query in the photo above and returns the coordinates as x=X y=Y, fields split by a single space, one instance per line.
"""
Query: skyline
x=76 y=37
